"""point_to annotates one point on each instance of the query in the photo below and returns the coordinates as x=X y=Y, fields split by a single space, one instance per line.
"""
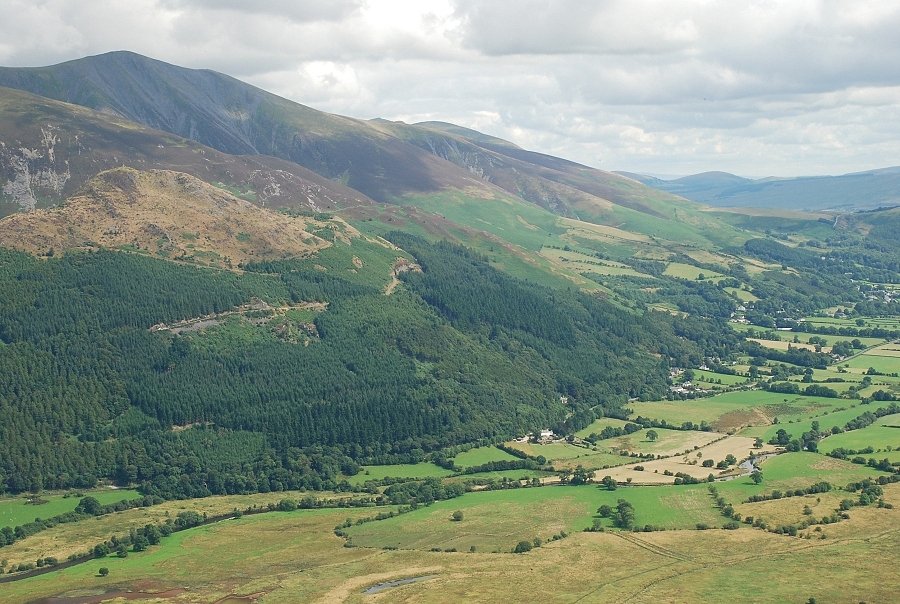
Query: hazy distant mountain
x=859 y=190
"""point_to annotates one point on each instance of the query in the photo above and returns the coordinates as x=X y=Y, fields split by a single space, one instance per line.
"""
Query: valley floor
x=295 y=557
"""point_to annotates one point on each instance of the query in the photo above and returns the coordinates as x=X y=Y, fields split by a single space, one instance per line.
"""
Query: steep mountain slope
x=49 y=149
x=384 y=160
x=870 y=189
x=169 y=214
x=236 y=118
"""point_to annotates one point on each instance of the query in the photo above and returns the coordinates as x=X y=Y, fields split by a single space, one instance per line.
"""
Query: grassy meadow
x=290 y=557
x=731 y=410
x=15 y=511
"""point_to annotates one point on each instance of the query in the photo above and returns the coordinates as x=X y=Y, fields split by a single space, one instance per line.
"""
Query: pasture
x=290 y=557
x=497 y=520
x=15 y=511
x=480 y=456
x=565 y=456
x=680 y=270
x=881 y=438
x=596 y=426
x=796 y=427
x=690 y=463
x=710 y=378
x=732 y=410
x=668 y=442
x=884 y=359
x=410 y=470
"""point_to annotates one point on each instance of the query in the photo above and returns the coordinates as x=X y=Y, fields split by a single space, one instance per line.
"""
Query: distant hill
x=859 y=190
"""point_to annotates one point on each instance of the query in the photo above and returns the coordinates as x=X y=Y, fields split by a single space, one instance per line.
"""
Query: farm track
x=656 y=549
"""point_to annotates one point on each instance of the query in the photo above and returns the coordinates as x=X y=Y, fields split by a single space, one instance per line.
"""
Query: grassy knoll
x=16 y=511
x=480 y=456
x=497 y=520
x=596 y=427
x=736 y=409
x=668 y=442
x=291 y=557
x=400 y=470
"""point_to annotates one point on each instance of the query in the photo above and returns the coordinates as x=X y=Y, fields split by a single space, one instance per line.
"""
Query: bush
x=522 y=547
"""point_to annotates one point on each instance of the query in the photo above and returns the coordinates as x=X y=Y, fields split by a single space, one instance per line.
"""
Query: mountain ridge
x=867 y=189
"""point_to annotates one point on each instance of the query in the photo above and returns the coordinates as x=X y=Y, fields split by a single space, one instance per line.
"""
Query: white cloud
x=751 y=86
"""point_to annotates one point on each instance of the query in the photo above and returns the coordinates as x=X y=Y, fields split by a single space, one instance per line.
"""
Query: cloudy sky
x=755 y=87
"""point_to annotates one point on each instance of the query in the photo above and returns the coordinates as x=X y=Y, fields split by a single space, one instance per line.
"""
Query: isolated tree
x=758 y=443
x=457 y=516
x=89 y=505
x=605 y=511
x=522 y=547
x=757 y=477
x=609 y=482
x=652 y=435
x=103 y=571
x=580 y=476
x=624 y=515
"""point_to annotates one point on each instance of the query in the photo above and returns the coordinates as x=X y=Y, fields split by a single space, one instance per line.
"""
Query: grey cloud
x=747 y=86
x=303 y=10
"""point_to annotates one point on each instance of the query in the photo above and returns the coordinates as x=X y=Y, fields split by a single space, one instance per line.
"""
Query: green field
x=497 y=520
x=500 y=475
x=879 y=437
x=690 y=272
x=710 y=377
x=403 y=470
x=794 y=471
x=481 y=455
x=799 y=426
x=882 y=364
x=551 y=451
x=596 y=426
x=882 y=322
x=804 y=337
x=14 y=512
x=741 y=294
x=293 y=557
x=735 y=409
